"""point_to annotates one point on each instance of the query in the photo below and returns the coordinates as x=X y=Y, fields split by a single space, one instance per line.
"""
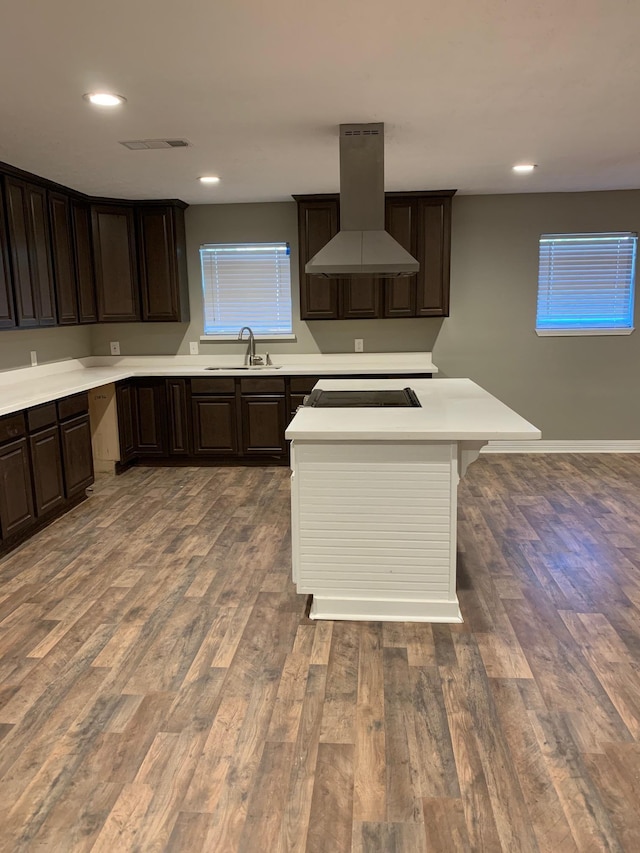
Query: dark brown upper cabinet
x=400 y=222
x=163 y=267
x=85 y=276
x=317 y=224
x=116 y=266
x=30 y=249
x=7 y=315
x=63 y=259
x=434 y=251
x=360 y=298
x=419 y=221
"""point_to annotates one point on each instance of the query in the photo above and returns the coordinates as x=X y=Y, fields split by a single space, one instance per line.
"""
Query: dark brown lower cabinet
x=263 y=425
x=150 y=417
x=215 y=430
x=77 y=456
x=126 y=430
x=46 y=471
x=179 y=443
x=210 y=419
x=16 y=501
x=46 y=462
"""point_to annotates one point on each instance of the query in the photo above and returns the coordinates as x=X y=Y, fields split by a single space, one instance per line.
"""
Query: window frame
x=542 y=289
x=226 y=334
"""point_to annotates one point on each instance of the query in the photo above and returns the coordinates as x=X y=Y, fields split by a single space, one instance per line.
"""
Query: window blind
x=586 y=282
x=246 y=284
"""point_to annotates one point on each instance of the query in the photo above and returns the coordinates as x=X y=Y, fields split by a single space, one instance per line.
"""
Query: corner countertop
x=452 y=410
x=31 y=386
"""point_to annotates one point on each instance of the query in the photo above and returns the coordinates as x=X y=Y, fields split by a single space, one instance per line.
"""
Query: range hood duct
x=362 y=247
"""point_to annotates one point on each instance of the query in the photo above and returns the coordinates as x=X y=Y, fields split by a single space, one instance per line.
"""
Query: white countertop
x=452 y=410
x=30 y=386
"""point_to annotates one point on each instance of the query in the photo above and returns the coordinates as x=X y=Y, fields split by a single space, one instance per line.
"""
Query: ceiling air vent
x=146 y=144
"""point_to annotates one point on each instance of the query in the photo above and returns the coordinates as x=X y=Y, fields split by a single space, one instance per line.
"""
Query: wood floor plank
x=330 y=822
x=444 y=825
x=370 y=772
x=591 y=825
x=163 y=689
x=295 y=822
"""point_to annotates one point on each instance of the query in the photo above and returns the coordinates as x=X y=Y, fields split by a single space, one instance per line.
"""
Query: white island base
x=374 y=497
x=374 y=528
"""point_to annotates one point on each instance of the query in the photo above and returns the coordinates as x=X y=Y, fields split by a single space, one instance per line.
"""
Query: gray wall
x=49 y=344
x=572 y=387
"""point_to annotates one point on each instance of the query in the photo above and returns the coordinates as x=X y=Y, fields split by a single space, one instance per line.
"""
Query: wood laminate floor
x=161 y=687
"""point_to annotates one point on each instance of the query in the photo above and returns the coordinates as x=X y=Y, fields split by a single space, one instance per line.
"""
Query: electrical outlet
x=193 y=347
x=114 y=347
x=34 y=358
x=359 y=342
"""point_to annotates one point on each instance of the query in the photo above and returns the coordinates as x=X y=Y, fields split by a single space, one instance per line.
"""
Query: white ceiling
x=466 y=88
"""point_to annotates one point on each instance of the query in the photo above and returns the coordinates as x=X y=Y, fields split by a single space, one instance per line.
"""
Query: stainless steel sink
x=248 y=367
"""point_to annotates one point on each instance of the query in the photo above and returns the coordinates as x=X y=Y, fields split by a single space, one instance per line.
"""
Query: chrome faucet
x=251 y=351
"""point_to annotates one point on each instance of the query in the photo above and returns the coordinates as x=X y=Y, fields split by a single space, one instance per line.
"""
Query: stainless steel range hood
x=362 y=247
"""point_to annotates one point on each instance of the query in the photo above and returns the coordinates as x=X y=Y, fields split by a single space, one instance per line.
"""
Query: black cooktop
x=362 y=399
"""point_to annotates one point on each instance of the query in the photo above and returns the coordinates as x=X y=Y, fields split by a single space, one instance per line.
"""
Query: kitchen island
x=374 y=497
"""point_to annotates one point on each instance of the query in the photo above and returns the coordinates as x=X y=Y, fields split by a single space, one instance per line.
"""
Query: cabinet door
x=317 y=224
x=7 y=316
x=46 y=462
x=77 y=455
x=114 y=251
x=163 y=274
x=63 y=265
x=16 y=502
x=31 y=253
x=178 y=417
x=263 y=425
x=17 y=221
x=434 y=238
x=214 y=426
x=126 y=426
x=40 y=255
x=81 y=219
x=150 y=426
x=360 y=298
x=400 y=293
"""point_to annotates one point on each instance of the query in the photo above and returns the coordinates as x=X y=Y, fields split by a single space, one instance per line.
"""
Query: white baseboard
x=568 y=446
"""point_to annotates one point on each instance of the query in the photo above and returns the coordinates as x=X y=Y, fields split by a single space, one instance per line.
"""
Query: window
x=586 y=283
x=246 y=284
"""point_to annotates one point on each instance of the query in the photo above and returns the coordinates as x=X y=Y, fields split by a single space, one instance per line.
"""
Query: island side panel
x=374 y=529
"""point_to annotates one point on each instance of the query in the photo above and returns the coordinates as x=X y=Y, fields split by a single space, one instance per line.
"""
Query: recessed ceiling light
x=104 y=99
x=524 y=168
x=209 y=179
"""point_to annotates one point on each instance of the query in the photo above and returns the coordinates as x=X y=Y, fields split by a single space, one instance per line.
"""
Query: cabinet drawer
x=11 y=426
x=213 y=385
x=41 y=416
x=70 y=407
x=262 y=385
x=302 y=384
